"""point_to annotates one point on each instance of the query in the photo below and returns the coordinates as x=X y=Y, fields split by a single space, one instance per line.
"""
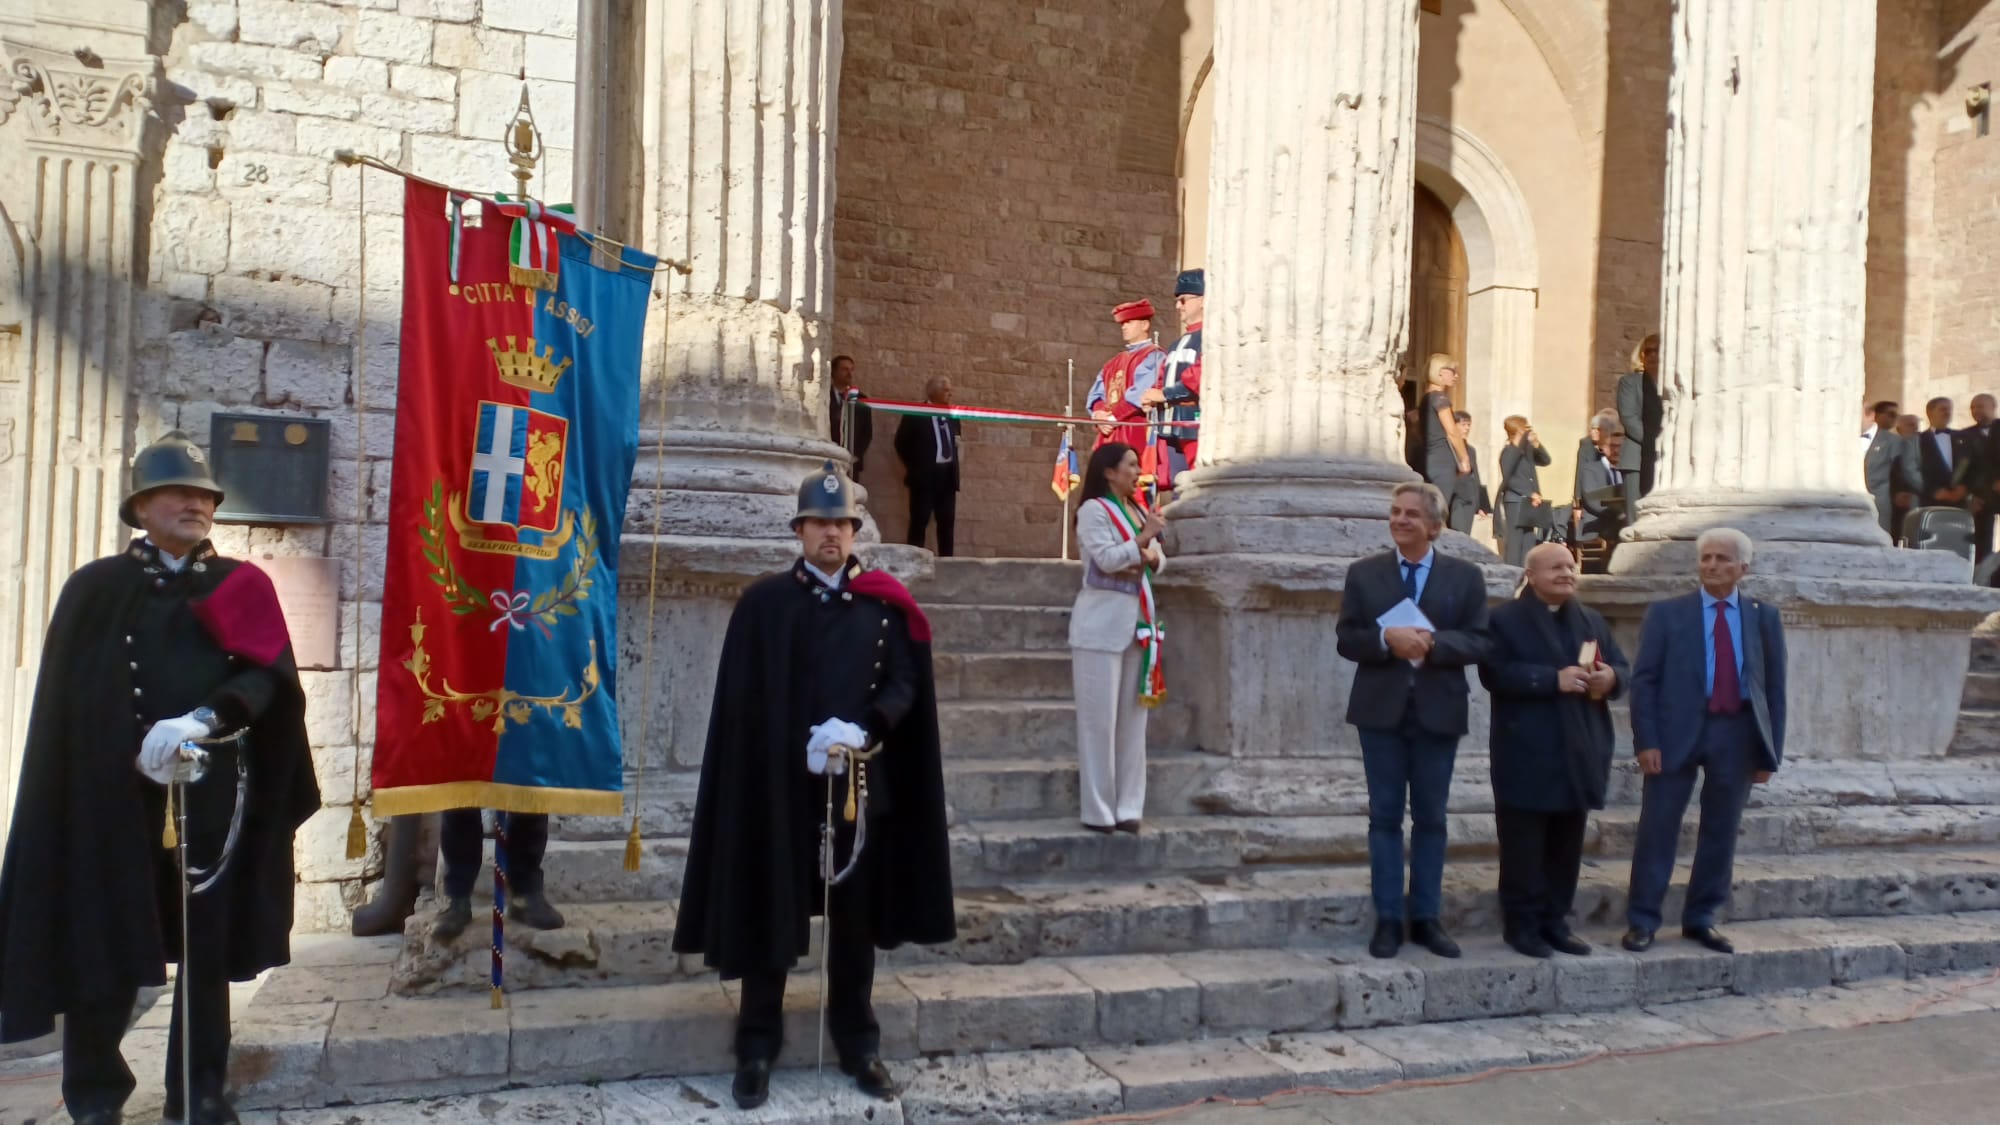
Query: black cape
x=751 y=885
x=83 y=913
x=1550 y=750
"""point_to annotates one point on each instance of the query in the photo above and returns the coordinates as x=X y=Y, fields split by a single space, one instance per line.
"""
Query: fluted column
x=743 y=193
x=1768 y=156
x=1310 y=211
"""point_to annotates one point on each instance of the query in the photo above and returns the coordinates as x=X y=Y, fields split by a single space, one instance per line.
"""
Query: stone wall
x=1901 y=236
x=255 y=266
x=1965 y=220
x=990 y=210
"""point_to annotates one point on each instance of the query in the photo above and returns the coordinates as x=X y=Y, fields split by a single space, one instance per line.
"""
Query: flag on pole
x=516 y=431
x=1067 y=475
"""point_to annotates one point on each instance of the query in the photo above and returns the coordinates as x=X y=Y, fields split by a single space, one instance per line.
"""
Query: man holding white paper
x=1413 y=621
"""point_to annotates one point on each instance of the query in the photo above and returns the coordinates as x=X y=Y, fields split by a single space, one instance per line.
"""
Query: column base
x=1327 y=509
x=1818 y=535
x=729 y=484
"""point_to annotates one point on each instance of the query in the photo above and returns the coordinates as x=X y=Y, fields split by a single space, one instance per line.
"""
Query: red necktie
x=1726 y=698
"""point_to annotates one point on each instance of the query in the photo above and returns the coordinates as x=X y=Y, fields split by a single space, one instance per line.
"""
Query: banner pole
x=1069 y=408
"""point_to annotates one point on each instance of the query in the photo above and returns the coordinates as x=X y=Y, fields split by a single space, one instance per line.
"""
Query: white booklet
x=1405 y=615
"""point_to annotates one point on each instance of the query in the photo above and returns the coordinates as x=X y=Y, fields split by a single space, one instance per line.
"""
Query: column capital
x=79 y=100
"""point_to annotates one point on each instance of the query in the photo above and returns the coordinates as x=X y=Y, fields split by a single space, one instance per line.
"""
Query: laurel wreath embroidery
x=561 y=601
x=457 y=596
x=500 y=704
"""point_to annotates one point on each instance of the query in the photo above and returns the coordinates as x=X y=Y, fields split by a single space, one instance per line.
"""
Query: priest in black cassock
x=826 y=656
x=161 y=644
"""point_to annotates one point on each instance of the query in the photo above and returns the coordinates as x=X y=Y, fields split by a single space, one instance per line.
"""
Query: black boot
x=753 y=1083
x=396 y=896
x=452 y=920
x=872 y=1078
x=213 y=1109
x=532 y=909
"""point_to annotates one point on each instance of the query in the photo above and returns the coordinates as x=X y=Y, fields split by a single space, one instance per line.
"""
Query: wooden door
x=1437 y=291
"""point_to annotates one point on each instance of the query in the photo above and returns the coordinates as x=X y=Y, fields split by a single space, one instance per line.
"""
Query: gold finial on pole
x=524 y=142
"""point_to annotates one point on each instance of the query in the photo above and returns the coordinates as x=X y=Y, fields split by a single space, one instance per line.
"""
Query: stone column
x=1768 y=158
x=1310 y=208
x=75 y=112
x=739 y=126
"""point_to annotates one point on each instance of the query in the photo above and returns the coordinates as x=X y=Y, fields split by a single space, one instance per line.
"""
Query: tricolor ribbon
x=532 y=257
x=1150 y=633
x=979 y=414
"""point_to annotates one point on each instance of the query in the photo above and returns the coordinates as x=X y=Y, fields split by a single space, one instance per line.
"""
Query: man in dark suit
x=839 y=410
x=1708 y=694
x=1409 y=704
x=1984 y=478
x=1640 y=412
x=1551 y=740
x=929 y=451
x=1945 y=455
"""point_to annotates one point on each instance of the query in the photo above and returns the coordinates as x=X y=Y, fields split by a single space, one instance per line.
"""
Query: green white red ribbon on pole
x=983 y=414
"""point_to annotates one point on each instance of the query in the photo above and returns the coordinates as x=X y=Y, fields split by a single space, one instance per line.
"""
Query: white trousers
x=1110 y=735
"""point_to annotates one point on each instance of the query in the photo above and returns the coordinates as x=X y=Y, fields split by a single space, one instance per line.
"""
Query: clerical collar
x=830 y=581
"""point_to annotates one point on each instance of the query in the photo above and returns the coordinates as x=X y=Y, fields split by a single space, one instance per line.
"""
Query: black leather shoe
x=1100 y=829
x=1709 y=937
x=872 y=1078
x=1528 y=943
x=1637 y=940
x=1387 y=940
x=533 y=910
x=1430 y=934
x=452 y=920
x=213 y=1109
x=99 y=1117
x=1563 y=941
x=753 y=1083
x=1131 y=826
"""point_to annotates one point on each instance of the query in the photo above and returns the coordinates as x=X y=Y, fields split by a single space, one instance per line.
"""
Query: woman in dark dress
x=1444 y=451
x=1525 y=509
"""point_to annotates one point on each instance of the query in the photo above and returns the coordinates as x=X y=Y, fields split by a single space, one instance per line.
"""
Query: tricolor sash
x=1150 y=633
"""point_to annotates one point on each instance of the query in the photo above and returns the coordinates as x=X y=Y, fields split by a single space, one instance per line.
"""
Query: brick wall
x=991 y=208
x=1901 y=185
x=1965 y=257
x=255 y=272
x=1639 y=61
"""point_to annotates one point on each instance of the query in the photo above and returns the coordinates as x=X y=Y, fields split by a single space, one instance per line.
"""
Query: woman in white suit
x=1114 y=640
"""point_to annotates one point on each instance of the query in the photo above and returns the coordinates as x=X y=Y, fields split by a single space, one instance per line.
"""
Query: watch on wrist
x=206 y=717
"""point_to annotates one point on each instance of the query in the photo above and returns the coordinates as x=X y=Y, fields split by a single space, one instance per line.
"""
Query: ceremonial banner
x=517 y=424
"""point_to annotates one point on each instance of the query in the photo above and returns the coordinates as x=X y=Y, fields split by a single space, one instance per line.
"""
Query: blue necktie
x=1410 y=580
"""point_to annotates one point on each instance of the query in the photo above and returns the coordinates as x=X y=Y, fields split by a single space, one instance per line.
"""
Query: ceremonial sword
x=190 y=766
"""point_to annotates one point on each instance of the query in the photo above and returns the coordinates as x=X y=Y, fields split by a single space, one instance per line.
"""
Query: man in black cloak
x=824 y=657
x=163 y=643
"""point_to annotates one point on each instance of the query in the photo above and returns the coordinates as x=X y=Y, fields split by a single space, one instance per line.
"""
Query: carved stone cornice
x=79 y=100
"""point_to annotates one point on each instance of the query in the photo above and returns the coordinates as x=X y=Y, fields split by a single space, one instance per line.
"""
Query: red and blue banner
x=517 y=425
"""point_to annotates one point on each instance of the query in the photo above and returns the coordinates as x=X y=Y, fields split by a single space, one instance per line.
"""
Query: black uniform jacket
x=89 y=901
x=797 y=654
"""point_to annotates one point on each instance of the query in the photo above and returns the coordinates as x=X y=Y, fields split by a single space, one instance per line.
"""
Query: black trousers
x=850 y=984
x=1540 y=856
x=95 y=1077
x=464 y=850
x=1982 y=532
x=932 y=494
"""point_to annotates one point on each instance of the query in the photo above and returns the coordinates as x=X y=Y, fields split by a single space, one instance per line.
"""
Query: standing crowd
x=1913 y=472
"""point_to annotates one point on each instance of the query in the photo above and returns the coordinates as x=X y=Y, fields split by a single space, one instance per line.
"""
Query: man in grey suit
x=1708 y=694
x=1886 y=452
x=1596 y=470
x=1409 y=705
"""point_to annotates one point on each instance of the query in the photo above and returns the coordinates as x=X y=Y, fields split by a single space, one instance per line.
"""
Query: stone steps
x=1982 y=690
x=1978 y=733
x=1040 y=728
x=630 y=942
x=999 y=628
x=324 y=1034
x=1003 y=675
x=1008 y=582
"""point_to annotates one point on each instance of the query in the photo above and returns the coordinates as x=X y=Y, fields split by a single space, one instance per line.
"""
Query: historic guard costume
x=147 y=651
x=1124 y=380
x=1180 y=384
x=825 y=656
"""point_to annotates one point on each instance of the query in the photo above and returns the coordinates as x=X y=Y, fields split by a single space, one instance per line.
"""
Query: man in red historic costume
x=1116 y=399
x=1178 y=395
x=164 y=643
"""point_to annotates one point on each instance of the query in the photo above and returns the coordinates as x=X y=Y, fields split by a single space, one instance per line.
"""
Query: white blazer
x=1105 y=620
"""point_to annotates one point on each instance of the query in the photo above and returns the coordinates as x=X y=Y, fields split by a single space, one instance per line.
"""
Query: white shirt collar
x=168 y=559
x=1424 y=563
x=1868 y=435
x=832 y=581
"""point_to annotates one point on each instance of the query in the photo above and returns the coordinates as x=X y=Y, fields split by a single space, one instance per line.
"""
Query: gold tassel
x=498 y=1003
x=853 y=769
x=632 y=846
x=357 y=834
x=170 y=839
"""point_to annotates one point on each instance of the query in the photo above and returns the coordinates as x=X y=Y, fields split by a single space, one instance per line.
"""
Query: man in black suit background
x=1597 y=469
x=1946 y=458
x=1708 y=694
x=1984 y=478
x=1409 y=705
x=929 y=450
x=838 y=411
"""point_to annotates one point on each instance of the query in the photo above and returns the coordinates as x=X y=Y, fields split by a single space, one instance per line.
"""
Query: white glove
x=161 y=750
x=826 y=736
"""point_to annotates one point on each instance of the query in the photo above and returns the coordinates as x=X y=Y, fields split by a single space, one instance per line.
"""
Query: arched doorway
x=1438 y=279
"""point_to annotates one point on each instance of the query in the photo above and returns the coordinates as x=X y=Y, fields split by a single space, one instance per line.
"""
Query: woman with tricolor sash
x=1115 y=639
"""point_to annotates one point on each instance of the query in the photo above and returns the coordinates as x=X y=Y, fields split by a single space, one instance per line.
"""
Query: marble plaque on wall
x=309 y=591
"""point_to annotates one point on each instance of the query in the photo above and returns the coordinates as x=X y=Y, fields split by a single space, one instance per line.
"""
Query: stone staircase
x=1215 y=945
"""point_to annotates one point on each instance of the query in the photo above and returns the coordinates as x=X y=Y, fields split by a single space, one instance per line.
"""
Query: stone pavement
x=1819 y=1062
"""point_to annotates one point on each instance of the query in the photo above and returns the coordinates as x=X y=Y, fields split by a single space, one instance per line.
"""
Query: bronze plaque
x=272 y=467
x=309 y=592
